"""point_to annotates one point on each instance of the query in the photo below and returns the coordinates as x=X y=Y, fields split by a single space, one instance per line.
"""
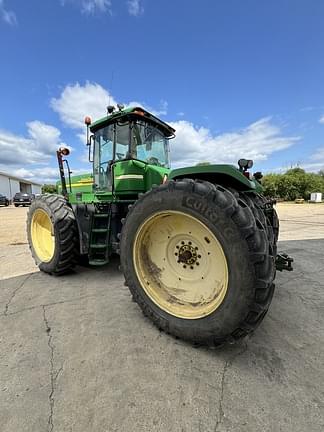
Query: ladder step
x=98 y=262
x=98 y=246
x=99 y=230
x=101 y=215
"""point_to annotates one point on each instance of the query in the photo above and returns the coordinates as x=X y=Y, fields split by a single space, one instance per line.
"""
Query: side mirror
x=90 y=145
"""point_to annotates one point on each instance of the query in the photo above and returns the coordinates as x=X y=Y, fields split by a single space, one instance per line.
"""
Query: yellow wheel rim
x=180 y=264
x=42 y=235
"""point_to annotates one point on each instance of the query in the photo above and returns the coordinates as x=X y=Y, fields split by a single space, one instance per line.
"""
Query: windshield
x=122 y=141
x=150 y=145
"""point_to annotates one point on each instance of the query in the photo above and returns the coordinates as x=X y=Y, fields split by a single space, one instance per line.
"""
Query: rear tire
x=52 y=234
x=246 y=246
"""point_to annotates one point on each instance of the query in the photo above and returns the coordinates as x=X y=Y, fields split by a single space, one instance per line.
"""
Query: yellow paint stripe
x=130 y=177
x=81 y=184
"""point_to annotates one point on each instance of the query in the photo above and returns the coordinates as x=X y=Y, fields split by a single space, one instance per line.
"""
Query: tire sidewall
x=50 y=266
x=240 y=290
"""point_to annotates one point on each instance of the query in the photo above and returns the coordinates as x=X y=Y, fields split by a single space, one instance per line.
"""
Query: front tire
x=198 y=218
x=52 y=234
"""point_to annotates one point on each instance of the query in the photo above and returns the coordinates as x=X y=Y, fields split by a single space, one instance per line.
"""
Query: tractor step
x=100 y=234
x=98 y=262
x=101 y=215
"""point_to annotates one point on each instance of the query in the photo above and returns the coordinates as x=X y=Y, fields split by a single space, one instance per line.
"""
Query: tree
x=295 y=183
x=49 y=188
x=203 y=163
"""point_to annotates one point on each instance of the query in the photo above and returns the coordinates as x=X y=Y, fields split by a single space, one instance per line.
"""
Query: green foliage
x=295 y=183
x=203 y=163
x=49 y=188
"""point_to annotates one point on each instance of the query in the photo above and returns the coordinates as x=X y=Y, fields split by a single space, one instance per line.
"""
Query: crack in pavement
x=15 y=291
x=227 y=365
x=53 y=374
x=56 y=303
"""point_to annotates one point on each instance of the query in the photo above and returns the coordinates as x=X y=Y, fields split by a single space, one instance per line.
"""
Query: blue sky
x=235 y=78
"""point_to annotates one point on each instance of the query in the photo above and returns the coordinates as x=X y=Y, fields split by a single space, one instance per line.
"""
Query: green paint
x=131 y=155
x=222 y=174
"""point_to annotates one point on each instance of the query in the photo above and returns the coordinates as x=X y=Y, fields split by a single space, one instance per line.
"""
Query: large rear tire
x=197 y=262
x=52 y=234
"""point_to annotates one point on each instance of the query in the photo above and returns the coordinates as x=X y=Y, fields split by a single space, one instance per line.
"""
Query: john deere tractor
x=197 y=245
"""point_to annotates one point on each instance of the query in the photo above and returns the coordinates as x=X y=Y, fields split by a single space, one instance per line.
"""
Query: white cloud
x=91 y=6
x=257 y=141
x=6 y=15
x=37 y=147
x=77 y=101
x=135 y=7
x=161 y=111
x=180 y=113
x=40 y=175
x=44 y=174
x=318 y=155
x=321 y=120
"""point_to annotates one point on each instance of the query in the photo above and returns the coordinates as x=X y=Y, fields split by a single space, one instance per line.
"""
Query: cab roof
x=133 y=113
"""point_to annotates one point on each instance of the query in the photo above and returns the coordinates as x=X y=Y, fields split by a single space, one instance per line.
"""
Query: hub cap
x=42 y=235
x=180 y=264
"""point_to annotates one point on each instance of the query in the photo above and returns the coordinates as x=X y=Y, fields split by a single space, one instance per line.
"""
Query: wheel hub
x=187 y=254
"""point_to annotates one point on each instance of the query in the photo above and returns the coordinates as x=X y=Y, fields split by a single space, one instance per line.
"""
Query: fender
x=224 y=175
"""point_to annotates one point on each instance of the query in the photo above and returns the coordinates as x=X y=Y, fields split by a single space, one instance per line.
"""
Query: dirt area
x=301 y=221
x=76 y=354
x=13 y=225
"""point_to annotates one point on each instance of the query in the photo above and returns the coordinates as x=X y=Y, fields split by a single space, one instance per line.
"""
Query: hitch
x=283 y=262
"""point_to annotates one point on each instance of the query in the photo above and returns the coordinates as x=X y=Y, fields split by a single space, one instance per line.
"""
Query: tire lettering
x=201 y=207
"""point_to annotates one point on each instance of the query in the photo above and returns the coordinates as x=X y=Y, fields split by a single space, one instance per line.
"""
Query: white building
x=316 y=197
x=10 y=185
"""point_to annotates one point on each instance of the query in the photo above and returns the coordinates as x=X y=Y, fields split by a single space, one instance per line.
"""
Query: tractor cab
x=130 y=151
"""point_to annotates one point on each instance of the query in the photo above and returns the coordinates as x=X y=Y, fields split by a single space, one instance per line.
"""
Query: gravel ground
x=76 y=354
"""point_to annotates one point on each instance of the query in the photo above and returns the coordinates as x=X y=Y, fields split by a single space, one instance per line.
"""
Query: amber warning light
x=64 y=151
x=87 y=120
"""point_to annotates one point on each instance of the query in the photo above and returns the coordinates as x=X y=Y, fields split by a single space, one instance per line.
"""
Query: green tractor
x=197 y=245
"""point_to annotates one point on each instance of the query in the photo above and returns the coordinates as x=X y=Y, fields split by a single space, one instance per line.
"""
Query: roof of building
x=20 y=179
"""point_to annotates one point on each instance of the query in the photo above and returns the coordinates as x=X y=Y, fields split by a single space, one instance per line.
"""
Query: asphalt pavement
x=76 y=354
